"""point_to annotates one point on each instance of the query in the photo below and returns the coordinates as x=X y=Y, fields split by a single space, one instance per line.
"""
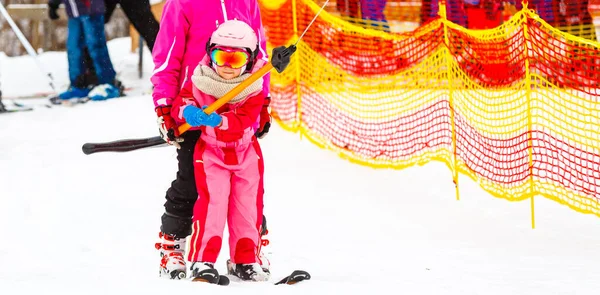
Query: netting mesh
x=516 y=108
x=571 y=16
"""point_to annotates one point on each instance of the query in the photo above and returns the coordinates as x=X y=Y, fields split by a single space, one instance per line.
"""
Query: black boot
x=204 y=272
x=248 y=272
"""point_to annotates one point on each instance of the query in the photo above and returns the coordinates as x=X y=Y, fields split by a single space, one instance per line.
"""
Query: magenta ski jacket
x=185 y=27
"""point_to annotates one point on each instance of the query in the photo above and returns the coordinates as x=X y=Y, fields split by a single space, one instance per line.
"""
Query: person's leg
x=90 y=73
x=75 y=45
x=354 y=7
x=372 y=12
x=426 y=11
x=182 y=195
x=93 y=26
x=90 y=79
x=213 y=181
x=176 y=222
x=245 y=214
x=341 y=7
x=349 y=9
x=141 y=17
x=246 y=206
x=456 y=13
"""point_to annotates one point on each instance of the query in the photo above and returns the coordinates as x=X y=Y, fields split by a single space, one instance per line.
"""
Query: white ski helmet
x=237 y=34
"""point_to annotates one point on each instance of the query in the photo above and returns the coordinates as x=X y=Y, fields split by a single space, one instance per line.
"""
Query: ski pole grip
x=231 y=94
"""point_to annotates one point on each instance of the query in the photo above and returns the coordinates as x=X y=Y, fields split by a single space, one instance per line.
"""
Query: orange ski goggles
x=232 y=57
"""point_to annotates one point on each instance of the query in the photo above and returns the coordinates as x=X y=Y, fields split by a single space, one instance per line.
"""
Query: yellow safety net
x=516 y=108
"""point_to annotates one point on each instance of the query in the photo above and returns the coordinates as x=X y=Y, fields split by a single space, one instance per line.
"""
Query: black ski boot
x=206 y=272
x=248 y=272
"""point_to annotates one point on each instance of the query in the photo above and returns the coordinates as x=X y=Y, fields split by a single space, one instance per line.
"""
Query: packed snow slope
x=77 y=224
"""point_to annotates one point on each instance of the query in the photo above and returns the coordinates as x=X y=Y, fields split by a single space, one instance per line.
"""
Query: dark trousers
x=182 y=195
x=139 y=14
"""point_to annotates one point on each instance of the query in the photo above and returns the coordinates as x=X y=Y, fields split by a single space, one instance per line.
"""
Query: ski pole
x=231 y=94
x=26 y=44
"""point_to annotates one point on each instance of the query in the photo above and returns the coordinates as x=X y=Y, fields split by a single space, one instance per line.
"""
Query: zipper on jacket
x=224 y=10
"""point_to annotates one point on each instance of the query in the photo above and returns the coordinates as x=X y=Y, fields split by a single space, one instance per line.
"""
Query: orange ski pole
x=231 y=94
x=280 y=59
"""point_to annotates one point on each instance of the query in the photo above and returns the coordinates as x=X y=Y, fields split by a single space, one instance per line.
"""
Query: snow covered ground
x=21 y=76
x=77 y=224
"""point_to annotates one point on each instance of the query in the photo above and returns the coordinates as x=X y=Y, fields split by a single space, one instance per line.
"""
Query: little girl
x=228 y=162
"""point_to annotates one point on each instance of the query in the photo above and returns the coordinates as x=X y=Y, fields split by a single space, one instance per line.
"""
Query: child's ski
x=296 y=277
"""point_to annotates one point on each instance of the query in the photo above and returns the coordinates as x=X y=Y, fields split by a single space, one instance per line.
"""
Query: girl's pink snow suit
x=228 y=168
x=185 y=27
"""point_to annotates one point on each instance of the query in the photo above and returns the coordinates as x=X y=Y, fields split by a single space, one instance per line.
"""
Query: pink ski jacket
x=185 y=27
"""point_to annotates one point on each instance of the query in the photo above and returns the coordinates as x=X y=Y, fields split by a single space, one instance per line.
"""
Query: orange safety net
x=516 y=108
x=571 y=16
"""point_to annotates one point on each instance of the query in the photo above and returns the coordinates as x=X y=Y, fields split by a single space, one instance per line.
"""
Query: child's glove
x=197 y=117
x=265 y=120
x=52 y=8
x=167 y=126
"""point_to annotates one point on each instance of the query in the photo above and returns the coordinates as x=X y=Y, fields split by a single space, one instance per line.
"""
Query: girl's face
x=228 y=73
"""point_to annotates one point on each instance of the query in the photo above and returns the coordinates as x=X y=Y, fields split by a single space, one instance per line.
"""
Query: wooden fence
x=32 y=18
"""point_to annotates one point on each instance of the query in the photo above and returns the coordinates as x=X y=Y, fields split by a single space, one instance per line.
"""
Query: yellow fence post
x=529 y=118
x=448 y=57
x=296 y=58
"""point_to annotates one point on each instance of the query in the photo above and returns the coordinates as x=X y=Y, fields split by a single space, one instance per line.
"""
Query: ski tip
x=296 y=277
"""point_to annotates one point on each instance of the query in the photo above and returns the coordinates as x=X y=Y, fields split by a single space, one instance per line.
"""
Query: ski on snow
x=296 y=277
x=212 y=276
x=15 y=108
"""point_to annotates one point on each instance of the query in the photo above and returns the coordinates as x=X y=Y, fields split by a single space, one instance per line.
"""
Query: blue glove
x=197 y=117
